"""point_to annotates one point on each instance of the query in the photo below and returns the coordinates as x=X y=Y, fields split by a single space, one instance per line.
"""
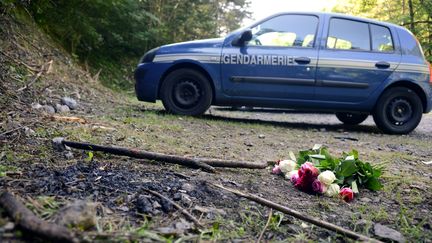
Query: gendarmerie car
x=316 y=61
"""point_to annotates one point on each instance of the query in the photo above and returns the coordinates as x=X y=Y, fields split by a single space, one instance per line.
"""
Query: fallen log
x=296 y=214
x=31 y=223
x=141 y=154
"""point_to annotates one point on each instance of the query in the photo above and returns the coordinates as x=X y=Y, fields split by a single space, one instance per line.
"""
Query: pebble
x=187 y=187
x=71 y=103
x=62 y=108
x=80 y=213
x=69 y=155
x=48 y=109
x=385 y=232
x=261 y=136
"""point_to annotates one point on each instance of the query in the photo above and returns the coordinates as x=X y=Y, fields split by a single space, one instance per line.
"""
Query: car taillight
x=430 y=73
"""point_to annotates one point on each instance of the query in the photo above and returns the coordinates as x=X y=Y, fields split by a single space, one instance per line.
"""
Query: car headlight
x=149 y=56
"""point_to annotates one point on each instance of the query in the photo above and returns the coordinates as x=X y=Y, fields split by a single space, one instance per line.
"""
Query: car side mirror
x=243 y=38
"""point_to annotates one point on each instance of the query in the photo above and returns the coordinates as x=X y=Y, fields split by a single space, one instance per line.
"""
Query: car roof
x=339 y=15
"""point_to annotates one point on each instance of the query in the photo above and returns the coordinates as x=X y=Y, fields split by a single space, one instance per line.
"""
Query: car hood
x=192 y=46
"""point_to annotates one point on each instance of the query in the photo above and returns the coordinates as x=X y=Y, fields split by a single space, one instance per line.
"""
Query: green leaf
x=318 y=156
x=90 y=157
x=347 y=168
x=373 y=184
x=354 y=187
x=355 y=153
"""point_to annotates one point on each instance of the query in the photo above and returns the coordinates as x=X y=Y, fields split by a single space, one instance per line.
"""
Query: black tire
x=351 y=118
x=398 y=111
x=186 y=92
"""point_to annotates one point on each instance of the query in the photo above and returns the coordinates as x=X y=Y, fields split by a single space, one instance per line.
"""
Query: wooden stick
x=266 y=225
x=296 y=214
x=30 y=222
x=182 y=210
x=141 y=154
x=232 y=164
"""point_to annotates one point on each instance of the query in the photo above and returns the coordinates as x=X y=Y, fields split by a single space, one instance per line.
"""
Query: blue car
x=307 y=61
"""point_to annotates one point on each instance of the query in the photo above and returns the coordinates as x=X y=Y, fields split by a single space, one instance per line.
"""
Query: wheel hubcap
x=186 y=93
x=400 y=111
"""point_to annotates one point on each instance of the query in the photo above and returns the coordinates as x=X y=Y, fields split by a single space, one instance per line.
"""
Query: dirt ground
x=47 y=180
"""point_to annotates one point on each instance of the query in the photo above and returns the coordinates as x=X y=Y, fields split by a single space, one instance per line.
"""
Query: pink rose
x=276 y=170
x=294 y=178
x=346 y=194
x=307 y=175
x=319 y=187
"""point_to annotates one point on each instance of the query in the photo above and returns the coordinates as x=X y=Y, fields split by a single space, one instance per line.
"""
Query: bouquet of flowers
x=316 y=171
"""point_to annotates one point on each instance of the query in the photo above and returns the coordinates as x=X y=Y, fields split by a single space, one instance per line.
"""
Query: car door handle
x=382 y=65
x=302 y=60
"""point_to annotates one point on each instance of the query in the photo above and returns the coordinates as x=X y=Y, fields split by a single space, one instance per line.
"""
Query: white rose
x=327 y=177
x=332 y=190
x=287 y=166
x=290 y=174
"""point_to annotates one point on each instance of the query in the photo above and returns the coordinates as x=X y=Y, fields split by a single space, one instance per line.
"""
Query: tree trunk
x=411 y=13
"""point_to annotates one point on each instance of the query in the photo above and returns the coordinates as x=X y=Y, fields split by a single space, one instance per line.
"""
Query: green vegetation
x=111 y=35
x=416 y=15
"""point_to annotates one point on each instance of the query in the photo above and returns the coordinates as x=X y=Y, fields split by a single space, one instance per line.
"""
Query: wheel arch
x=410 y=85
x=189 y=65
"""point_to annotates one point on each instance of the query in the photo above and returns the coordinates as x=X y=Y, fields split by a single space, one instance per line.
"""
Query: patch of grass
x=44 y=206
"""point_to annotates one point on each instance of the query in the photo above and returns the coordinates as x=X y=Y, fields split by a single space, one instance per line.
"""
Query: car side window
x=348 y=35
x=381 y=39
x=286 y=31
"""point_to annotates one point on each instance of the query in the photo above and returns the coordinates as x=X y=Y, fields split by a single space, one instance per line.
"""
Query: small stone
x=58 y=145
x=80 y=214
x=71 y=103
x=48 y=109
x=261 y=136
x=36 y=106
x=62 y=108
x=388 y=233
x=323 y=130
x=188 y=187
x=69 y=155
x=143 y=205
x=177 y=196
x=365 y=200
x=29 y=132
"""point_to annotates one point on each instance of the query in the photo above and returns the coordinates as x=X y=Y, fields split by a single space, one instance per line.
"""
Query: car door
x=278 y=63
x=356 y=58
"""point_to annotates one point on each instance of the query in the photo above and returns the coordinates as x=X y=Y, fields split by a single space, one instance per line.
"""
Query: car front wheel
x=398 y=111
x=186 y=92
x=351 y=118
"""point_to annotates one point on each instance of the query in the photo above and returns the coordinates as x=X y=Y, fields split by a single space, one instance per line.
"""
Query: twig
x=38 y=75
x=30 y=222
x=182 y=210
x=13 y=130
x=296 y=214
x=266 y=225
x=141 y=154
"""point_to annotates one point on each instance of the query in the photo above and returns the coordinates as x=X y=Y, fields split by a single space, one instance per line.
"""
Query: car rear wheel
x=351 y=118
x=398 y=111
x=186 y=92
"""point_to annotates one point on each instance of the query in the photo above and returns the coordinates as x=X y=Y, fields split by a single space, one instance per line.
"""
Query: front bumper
x=147 y=78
